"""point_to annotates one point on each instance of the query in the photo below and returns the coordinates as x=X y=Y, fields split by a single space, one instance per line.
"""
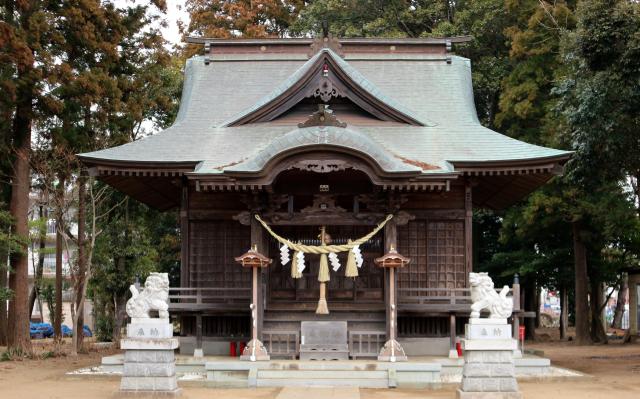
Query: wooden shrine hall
x=311 y=134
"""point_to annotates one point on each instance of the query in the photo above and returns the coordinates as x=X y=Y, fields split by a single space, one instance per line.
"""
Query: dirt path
x=615 y=371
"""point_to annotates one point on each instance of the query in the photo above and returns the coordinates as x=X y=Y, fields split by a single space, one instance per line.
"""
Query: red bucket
x=521 y=332
x=232 y=349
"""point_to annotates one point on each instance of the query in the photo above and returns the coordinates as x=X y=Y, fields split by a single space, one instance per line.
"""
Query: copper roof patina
x=433 y=90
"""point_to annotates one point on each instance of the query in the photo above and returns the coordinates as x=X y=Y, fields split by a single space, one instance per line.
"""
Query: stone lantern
x=392 y=351
x=254 y=350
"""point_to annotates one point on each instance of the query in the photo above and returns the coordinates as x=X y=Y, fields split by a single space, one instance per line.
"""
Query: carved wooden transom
x=321 y=165
x=322 y=117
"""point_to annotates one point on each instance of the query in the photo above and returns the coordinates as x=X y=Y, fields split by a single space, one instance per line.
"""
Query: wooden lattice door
x=367 y=287
x=436 y=249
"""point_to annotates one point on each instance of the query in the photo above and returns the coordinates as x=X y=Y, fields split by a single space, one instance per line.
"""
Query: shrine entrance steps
x=418 y=372
x=352 y=373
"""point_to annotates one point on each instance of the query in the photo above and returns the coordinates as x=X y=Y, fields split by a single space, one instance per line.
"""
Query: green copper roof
x=328 y=136
x=424 y=87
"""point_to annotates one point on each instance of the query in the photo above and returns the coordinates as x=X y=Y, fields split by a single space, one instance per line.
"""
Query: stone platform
x=233 y=372
x=489 y=367
x=149 y=366
x=351 y=373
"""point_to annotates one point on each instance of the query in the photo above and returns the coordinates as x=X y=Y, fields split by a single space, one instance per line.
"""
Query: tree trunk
x=582 y=287
x=529 y=306
x=18 y=320
x=622 y=297
x=598 y=333
x=79 y=278
x=43 y=214
x=537 y=304
x=3 y=304
x=564 y=312
x=57 y=325
x=120 y=302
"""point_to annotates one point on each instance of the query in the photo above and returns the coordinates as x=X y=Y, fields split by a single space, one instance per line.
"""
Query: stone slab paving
x=318 y=393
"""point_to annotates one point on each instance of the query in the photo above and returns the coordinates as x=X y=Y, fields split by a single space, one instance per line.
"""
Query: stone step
x=321 y=374
x=345 y=382
x=347 y=367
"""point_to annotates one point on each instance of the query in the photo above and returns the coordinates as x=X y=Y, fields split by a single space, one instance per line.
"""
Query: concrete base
x=453 y=354
x=392 y=351
x=425 y=346
x=198 y=352
x=210 y=347
x=255 y=351
x=487 y=395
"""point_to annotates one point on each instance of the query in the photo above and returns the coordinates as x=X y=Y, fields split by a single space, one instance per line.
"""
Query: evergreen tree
x=240 y=18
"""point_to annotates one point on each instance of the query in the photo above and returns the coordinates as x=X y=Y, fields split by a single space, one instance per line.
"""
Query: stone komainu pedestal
x=149 y=360
x=489 y=371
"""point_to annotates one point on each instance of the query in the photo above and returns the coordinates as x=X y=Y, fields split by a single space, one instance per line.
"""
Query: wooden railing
x=366 y=343
x=451 y=301
x=282 y=343
x=449 y=296
x=440 y=299
x=207 y=298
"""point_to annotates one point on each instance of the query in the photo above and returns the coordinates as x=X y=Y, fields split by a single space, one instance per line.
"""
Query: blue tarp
x=45 y=330
x=40 y=330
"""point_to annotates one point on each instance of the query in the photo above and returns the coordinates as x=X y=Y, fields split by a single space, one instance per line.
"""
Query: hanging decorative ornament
x=335 y=262
x=351 y=269
x=284 y=255
x=358 y=256
x=295 y=271
x=300 y=258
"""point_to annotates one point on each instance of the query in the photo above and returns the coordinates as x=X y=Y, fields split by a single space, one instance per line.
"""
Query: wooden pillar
x=390 y=278
x=516 y=310
x=255 y=350
x=184 y=247
x=258 y=239
x=392 y=351
x=468 y=229
x=198 y=351
x=453 y=351
x=184 y=236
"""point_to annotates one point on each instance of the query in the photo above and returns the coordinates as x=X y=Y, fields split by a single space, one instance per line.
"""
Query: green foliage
x=600 y=93
x=12 y=354
x=377 y=18
x=105 y=323
x=135 y=241
x=48 y=292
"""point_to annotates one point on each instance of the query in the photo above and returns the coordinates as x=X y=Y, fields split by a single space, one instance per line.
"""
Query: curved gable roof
x=326 y=136
x=347 y=82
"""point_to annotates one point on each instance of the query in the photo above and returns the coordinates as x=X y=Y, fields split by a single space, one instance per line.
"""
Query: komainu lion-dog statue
x=484 y=296
x=154 y=296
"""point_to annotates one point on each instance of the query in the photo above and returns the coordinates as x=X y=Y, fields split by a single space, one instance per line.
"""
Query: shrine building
x=334 y=134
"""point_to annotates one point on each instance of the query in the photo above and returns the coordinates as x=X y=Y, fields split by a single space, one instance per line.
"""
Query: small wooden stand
x=254 y=350
x=392 y=351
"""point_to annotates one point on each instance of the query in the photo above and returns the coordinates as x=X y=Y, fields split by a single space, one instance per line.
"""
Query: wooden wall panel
x=213 y=247
x=437 y=253
x=452 y=199
x=215 y=201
